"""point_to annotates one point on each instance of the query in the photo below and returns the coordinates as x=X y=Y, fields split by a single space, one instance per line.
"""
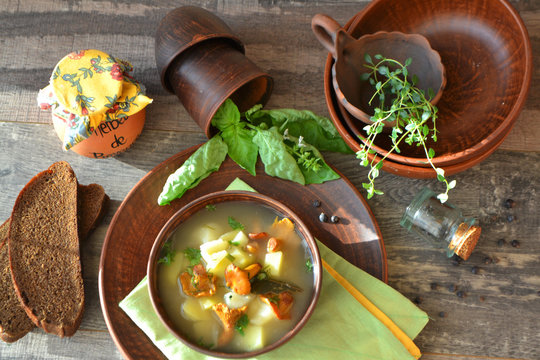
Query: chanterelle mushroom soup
x=235 y=277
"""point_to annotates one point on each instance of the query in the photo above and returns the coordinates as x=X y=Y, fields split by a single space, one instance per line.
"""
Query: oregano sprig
x=401 y=102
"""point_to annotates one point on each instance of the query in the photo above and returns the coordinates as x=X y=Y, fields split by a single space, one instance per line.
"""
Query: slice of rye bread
x=14 y=323
x=44 y=251
x=93 y=203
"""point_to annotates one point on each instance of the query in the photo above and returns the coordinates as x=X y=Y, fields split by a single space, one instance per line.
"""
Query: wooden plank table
x=499 y=318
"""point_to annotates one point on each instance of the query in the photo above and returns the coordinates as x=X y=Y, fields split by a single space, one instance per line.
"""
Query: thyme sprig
x=414 y=116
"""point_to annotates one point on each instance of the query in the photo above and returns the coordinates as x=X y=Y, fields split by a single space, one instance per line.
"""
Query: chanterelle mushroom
x=199 y=284
x=281 y=303
x=238 y=279
x=228 y=318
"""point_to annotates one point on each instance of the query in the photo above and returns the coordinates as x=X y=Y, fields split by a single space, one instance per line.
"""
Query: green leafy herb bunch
x=402 y=103
x=287 y=141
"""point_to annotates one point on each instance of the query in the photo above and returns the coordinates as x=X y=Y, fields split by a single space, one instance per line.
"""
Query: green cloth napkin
x=339 y=327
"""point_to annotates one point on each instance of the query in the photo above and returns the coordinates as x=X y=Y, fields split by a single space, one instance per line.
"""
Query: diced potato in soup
x=273 y=262
x=207 y=233
x=223 y=319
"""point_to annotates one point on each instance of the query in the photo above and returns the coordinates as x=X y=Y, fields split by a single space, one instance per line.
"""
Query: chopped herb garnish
x=235 y=224
x=169 y=254
x=201 y=343
x=241 y=324
x=274 y=299
x=263 y=274
x=193 y=255
x=230 y=257
x=235 y=243
x=210 y=207
x=309 y=265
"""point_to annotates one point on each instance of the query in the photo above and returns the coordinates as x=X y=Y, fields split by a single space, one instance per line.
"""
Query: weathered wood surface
x=499 y=318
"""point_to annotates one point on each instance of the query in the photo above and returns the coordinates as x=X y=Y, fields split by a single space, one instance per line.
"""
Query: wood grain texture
x=499 y=316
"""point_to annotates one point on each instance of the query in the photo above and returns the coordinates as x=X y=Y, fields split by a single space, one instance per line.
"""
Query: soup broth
x=229 y=255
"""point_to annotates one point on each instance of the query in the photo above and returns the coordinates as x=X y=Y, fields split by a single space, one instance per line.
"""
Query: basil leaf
x=315 y=174
x=275 y=157
x=198 y=166
x=316 y=130
x=227 y=115
x=241 y=147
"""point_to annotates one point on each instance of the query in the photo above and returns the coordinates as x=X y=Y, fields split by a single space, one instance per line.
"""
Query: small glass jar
x=441 y=224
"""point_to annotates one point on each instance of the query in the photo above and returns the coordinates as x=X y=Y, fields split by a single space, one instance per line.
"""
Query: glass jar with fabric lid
x=97 y=108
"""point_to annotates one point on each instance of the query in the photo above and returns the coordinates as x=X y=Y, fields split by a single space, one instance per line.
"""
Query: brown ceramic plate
x=139 y=219
x=487 y=55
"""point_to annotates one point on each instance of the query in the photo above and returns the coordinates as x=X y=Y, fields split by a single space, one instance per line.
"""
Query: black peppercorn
x=334 y=219
x=452 y=288
x=509 y=203
x=510 y=218
x=515 y=243
x=488 y=260
x=501 y=242
x=434 y=286
x=316 y=203
x=323 y=217
x=475 y=270
x=460 y=294
x=417 y=300
x=442 y=314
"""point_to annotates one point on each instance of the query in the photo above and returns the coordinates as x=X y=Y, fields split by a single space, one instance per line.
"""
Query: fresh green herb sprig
x=309 y=265
x=241 y=324
x=414 y=116
x=193 y=255
x=235 y=225
x=168 y=254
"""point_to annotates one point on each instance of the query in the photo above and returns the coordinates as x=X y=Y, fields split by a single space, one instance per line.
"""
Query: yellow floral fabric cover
x=89 y=87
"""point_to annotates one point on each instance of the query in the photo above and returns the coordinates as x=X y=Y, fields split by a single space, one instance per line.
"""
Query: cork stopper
x=464 y=240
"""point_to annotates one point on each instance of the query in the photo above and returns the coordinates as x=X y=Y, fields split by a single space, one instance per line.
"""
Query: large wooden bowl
x=485 y=49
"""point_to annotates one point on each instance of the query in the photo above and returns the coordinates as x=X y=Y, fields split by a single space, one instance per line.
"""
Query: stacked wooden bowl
x=486 y=53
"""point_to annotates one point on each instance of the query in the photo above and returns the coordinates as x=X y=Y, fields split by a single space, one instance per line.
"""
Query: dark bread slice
x=93 y=203
x=14 y=323
x=44 y=251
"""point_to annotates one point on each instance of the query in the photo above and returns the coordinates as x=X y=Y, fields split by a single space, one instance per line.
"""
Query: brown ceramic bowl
x=398 y=168
x=200 y=205
x=485 y=49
